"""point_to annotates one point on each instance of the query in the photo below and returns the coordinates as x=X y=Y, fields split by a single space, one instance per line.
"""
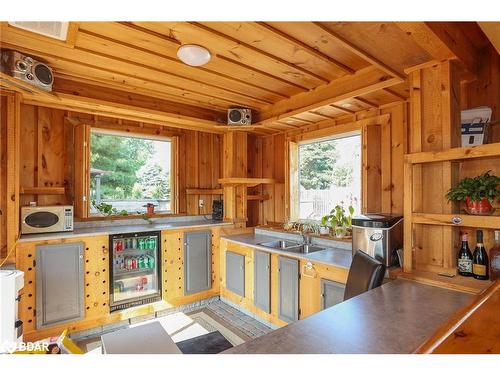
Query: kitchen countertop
x=117 y=229
x=331 y=256
x=394 y=318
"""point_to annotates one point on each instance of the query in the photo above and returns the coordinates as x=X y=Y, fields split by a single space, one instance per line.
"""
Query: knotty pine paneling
x=47 y=156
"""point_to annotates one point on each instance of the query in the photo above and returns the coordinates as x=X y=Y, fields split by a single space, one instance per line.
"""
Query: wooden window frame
x=294 y=166
x=370 y=197
x=82 y=170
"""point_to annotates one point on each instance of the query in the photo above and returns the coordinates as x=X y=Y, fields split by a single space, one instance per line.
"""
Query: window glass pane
x=129 y=172
x=329 y=174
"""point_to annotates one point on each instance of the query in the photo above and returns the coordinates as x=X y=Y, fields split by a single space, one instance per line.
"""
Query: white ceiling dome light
x=193 y=54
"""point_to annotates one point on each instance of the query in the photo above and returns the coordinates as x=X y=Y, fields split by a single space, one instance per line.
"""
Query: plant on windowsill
x=339 y=221
x=478 y=193
x=106 y=209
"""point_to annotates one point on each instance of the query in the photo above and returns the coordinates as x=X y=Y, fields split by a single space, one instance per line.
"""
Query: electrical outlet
x=201 y=203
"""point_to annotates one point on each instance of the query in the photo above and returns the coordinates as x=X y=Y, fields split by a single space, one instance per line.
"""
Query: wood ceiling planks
x=289 y=73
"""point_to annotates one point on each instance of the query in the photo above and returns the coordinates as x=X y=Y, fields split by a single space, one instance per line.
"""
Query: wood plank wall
x=47 y=156
x=267 y=158
x=3 y=176
x=483 y=91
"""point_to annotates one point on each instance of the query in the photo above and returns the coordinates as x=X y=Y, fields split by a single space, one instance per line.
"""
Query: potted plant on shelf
x=339 y=221
x=478 y=193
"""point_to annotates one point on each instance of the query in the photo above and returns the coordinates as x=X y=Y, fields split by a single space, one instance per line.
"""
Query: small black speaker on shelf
x=218 y=210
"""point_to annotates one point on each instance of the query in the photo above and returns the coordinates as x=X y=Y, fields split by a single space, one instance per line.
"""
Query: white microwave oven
x=46 y=219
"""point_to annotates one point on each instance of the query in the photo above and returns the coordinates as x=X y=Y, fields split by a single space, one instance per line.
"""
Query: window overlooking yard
x=329 y=174
x=129 y=172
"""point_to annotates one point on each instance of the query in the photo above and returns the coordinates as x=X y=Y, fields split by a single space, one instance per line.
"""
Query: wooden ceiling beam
x=444 y=40
x=94 y=42
x=342 y=109
x=117 y=110
x=246 y=46
x=297 y=43
x=396 y=94
x=251 y=68
x=360 y=52
x=362 y=82
x=365 y=101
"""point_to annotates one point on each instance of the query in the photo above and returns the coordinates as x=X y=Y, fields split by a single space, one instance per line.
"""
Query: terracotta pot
x=482 y=207
x=151 y=209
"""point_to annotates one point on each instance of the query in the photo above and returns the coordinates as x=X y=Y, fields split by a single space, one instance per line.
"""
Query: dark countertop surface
x=118 y=229
x=394 y=318
x=332 y=256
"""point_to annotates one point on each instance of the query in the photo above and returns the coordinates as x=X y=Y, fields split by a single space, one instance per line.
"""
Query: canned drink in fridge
x=140 y=262
x=152 y=243
x=134 y=243
x=134 y=263
x=128 y=263
x=140 y=243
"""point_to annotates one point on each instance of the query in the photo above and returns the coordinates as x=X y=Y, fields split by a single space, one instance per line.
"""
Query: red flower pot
x=482 y=207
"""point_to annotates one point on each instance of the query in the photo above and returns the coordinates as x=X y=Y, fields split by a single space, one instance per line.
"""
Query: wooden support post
x=435 y=126
x=235 y=165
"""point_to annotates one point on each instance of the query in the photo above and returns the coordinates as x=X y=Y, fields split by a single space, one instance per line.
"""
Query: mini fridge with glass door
x=135 y=277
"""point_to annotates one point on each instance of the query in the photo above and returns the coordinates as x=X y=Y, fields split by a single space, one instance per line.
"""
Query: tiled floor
x=232 y=323
x=239 y=320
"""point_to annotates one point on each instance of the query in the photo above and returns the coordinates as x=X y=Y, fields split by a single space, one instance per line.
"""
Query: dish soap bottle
x=495 y=258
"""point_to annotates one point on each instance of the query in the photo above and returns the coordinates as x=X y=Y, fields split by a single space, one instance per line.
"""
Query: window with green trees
x=329 y=174
x=128 y=172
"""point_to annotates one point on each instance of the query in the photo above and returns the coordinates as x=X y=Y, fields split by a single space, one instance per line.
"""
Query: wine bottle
x=480 y=259
x=465 y=258
x=495 y=258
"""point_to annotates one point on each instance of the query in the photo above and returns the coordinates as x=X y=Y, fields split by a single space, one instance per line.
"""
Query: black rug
x=211 y=343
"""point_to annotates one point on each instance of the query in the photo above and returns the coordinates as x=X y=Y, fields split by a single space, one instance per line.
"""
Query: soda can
x=151 y=261
x=134 y=263
x=140 y=262
x=152 y=243
x=141 y=243
x=134 y=243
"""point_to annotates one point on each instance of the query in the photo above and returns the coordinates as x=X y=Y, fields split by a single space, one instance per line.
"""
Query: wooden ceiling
x=291 y=74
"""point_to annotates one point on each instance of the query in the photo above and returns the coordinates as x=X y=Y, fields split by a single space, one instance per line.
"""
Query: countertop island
x=394 y=318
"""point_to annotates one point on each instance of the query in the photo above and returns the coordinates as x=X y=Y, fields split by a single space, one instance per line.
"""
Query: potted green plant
x=478 y=193
x=339 y=221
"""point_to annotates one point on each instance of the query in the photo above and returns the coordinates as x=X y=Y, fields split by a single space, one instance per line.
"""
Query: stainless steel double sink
x=292 y=247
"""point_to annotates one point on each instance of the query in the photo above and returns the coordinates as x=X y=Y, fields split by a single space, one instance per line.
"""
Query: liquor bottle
x=480 y=259
x=465 y=258
x=495 y=258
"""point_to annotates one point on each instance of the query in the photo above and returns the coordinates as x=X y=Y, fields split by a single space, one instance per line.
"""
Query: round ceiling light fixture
x=193 y=54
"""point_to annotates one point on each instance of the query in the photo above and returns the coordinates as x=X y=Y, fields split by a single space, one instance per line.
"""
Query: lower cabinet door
x=332 y=293
x=235 y=273
x=59 y=284
x=197 y=261
x=262 y=280
x=288 y=270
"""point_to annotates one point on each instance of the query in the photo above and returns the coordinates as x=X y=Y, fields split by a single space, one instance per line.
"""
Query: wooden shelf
x=42 y=190
x=249 y=182
x=204 y=191
x=458 y=153
x=264 y=197
x=492 y=222
x=461 y=283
